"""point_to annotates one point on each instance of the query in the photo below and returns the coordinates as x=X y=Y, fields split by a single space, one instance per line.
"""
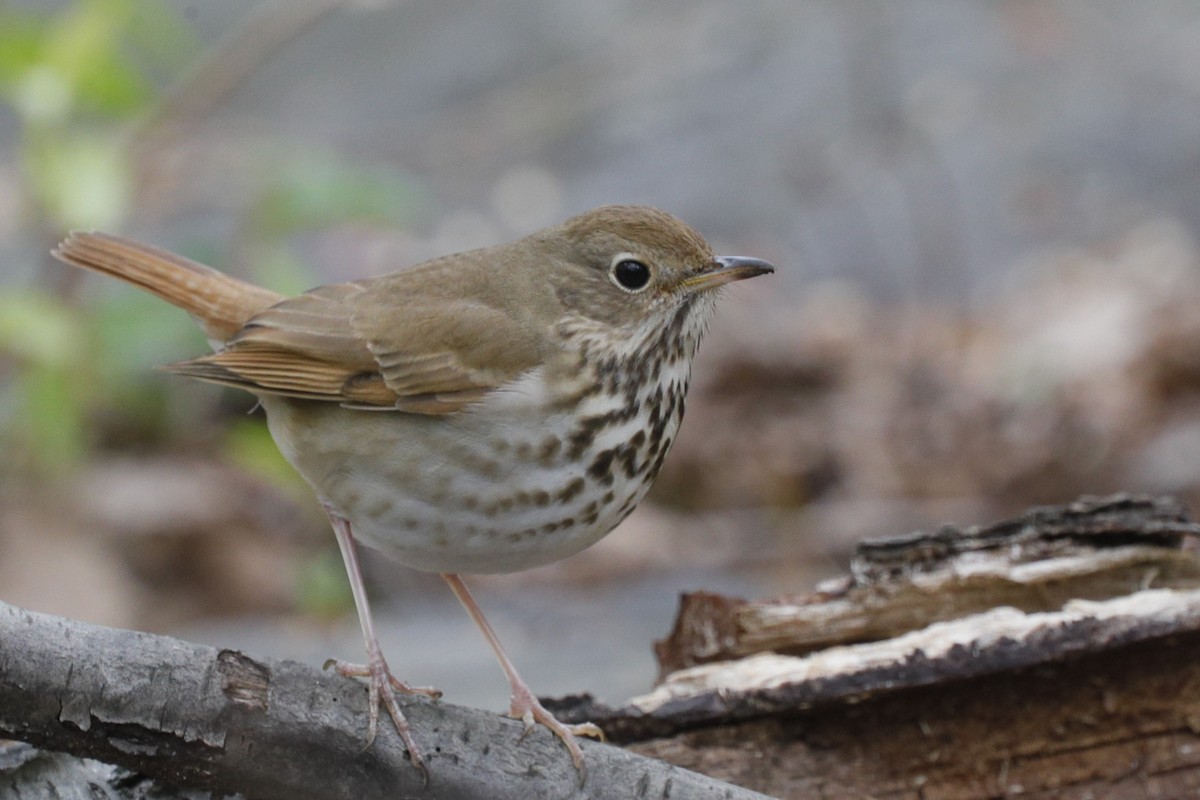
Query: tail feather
x=220 y=303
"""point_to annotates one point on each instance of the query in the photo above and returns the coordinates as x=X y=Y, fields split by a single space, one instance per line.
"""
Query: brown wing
x=420 y=341
x=457 y=327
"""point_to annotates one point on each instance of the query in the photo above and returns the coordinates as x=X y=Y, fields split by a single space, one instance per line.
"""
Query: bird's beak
x=727 y=269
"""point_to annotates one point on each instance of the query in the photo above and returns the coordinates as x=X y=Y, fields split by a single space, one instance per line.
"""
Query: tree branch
x=221 y=721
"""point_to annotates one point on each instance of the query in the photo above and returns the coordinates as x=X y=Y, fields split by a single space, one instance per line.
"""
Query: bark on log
x=223 y=722
x=911 y=682
x=1093 y=549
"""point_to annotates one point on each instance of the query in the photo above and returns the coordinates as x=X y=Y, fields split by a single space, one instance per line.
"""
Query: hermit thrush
x=488 y=411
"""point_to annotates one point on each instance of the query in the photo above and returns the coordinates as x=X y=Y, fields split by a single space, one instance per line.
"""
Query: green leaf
x=81 y=57
x=82 y=180
x=21 y=36
x=40 y=329
x=114 y=88
x=48 y=340
x=53 y=417
x=83 y=47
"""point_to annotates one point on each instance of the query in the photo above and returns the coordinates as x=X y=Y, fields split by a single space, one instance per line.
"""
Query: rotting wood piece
x=1119 y=725
x=1095 y=548
x=995 y=641
x=1048 y=696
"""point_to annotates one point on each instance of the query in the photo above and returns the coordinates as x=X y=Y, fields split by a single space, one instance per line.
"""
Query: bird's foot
x=381 y=689
x=527 y=708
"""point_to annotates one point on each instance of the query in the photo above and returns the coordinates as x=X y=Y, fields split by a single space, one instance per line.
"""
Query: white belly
x=502 y=486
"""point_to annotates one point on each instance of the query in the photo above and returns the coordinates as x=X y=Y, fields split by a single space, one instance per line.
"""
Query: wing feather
x=422 y=341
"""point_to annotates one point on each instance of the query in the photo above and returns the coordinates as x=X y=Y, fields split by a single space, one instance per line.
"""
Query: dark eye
x=631 y=275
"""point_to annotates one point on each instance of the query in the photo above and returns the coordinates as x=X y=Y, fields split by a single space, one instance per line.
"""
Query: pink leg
x=525 y=705
x=380 y=681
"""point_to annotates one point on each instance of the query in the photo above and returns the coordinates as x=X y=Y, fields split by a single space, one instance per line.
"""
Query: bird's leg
x=525 y=705
x=381 y=684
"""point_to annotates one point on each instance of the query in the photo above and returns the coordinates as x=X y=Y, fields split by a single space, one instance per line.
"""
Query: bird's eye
x=631 y=275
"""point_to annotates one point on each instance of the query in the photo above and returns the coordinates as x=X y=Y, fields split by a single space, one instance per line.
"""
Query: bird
x=483 y=412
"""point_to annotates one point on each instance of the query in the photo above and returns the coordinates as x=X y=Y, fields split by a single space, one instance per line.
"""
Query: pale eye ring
x=630 y=274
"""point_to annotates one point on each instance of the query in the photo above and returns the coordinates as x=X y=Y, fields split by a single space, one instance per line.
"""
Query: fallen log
x=1056 y=655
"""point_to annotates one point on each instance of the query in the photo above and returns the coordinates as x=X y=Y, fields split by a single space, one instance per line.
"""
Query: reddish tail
x=221 y=304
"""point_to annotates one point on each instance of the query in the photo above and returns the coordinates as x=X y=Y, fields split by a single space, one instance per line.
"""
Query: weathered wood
x=1121 y=725
x=221 y=721
x=990 y=675
x=1092 y=549
x=995 y=641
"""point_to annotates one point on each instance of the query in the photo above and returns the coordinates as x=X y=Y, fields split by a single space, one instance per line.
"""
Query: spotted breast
x=527 y=476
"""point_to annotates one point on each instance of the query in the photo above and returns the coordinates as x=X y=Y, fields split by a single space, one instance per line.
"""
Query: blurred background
x=984 y=216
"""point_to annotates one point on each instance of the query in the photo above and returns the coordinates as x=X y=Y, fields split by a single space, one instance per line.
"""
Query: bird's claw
x=530 y=711
x=382 y=686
